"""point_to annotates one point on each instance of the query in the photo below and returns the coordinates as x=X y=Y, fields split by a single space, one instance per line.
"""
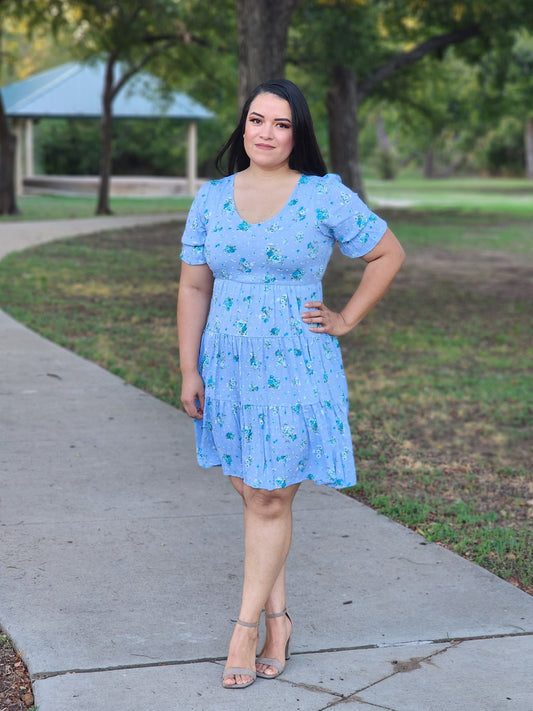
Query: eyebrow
x=256 y=113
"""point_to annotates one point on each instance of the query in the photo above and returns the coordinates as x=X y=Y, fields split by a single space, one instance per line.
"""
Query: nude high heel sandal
x=233 y=671
x=275 y=662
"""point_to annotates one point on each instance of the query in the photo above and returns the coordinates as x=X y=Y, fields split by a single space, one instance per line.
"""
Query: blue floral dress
x=276 y=400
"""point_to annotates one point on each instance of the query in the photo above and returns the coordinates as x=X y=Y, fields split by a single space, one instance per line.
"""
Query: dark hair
x=305 y=156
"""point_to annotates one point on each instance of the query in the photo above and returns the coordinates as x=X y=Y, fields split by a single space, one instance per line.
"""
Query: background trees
x=32 y=14
x=506 y=83
x=445 y=85
x=380 y=42
x=129 y=36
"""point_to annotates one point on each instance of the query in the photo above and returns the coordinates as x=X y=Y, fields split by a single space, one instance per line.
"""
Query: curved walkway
x=120 y=563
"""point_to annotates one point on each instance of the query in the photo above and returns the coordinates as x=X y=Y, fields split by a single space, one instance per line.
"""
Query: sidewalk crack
x=450 y=642
x=402 y=667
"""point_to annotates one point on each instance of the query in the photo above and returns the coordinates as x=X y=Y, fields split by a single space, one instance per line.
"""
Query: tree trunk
x=386 y=154
x=8 y=144
x=343 y=128
x=262 y=26
x=429 y=164
x=528 y=146
x=106 y=136
x=346 y=94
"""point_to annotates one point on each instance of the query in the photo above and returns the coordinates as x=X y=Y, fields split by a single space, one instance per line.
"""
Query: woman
x=262 y=371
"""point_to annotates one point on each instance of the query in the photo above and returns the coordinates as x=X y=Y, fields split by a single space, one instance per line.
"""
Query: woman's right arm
x=194 y=298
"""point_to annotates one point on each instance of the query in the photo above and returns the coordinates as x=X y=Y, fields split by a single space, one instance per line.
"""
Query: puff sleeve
x=193 y=239
x=343 y=216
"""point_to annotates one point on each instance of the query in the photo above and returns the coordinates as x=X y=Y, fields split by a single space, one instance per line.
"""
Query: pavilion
x=74 y=91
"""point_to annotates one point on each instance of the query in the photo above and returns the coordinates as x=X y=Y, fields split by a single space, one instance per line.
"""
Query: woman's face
x=268 y=132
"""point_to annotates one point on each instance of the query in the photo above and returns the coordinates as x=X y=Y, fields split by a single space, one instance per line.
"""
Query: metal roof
x=74 y=91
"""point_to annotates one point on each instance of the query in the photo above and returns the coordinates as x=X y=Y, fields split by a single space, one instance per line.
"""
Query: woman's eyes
x=257 y=121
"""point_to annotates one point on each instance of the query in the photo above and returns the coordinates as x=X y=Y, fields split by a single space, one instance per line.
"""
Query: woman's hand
x=383 y=263
x=323 y=320
x=193 y=395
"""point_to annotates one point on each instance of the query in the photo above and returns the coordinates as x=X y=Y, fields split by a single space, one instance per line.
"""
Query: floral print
x=276 y=396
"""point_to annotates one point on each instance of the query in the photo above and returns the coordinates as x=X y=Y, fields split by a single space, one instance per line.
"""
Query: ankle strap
x=247 y=624
x=276 y=614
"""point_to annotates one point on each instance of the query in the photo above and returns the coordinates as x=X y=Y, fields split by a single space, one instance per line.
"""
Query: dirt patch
x=494 y=273
x=15 y=684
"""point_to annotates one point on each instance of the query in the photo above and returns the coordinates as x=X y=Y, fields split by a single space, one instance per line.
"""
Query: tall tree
x=433 y=113
x=366 y=43
x=128 y=36
x=507 y=78
x=262 y=27
x=35 y=14
x=8 y=198
x=8 y=142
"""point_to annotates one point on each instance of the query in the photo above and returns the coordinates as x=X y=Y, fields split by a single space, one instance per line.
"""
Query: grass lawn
x=458 y=195
x=439 y=373
x=509 y=196
x=58 y=207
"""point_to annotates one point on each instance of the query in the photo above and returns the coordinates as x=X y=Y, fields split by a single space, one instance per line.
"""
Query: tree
x=8 y=198
x=262 y=28
x=365 y=44
x=35 y=14
x=128 y=35
x=8 y=142
x=433 y=112
x=509 y=75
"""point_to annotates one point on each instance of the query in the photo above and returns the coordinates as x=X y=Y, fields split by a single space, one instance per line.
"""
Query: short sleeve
x=193 y=238
x=346 y=218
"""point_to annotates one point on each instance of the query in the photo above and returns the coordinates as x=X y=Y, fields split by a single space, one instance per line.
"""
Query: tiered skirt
x=276 y=401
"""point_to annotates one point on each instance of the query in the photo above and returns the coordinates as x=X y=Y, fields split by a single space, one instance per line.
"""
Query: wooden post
x=192 y=158
x=29 y=168
x=19 y=170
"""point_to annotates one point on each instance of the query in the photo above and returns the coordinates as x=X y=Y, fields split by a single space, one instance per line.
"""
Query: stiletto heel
x=275 y=662
x=233 y=671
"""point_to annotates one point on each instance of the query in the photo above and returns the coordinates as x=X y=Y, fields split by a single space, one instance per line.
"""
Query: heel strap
x=247 y=624
x=277 y=614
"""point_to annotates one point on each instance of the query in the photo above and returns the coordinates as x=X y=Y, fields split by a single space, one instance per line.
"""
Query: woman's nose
x=266 y=131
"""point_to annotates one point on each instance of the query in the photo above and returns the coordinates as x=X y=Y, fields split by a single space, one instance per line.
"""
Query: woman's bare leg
x=278 y=629
x=267 y=536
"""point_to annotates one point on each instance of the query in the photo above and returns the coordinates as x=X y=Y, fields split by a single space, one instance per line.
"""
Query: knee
x=267 y=504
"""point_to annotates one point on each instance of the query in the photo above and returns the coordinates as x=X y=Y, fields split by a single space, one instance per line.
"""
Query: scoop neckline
x=270 y=219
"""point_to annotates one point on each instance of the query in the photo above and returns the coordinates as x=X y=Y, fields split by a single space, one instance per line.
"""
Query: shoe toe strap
x=268 y=661
x=234 y=671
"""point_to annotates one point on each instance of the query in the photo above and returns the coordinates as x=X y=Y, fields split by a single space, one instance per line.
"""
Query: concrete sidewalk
x=120 y=564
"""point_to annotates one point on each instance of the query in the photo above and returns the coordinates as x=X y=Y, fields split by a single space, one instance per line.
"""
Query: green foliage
x=437 y=104
x=67 y=147
x=140 y=147
x=463 y=105
x=501 y=150
x=198 y=56
x=386 y=164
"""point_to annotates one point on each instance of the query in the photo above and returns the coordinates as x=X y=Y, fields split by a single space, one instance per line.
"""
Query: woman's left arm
x=383 y=263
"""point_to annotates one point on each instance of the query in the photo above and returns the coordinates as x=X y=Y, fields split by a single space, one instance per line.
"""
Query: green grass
x=109 y=297
x=58 y=207
x=439 y=373
x=452 y=231
x=456 y=196
x=513 y=197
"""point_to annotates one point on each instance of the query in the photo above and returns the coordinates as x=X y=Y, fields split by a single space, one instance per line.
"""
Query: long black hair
x=305 y=157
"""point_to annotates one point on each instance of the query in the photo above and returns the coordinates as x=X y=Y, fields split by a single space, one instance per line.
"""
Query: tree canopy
x=355 y=59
